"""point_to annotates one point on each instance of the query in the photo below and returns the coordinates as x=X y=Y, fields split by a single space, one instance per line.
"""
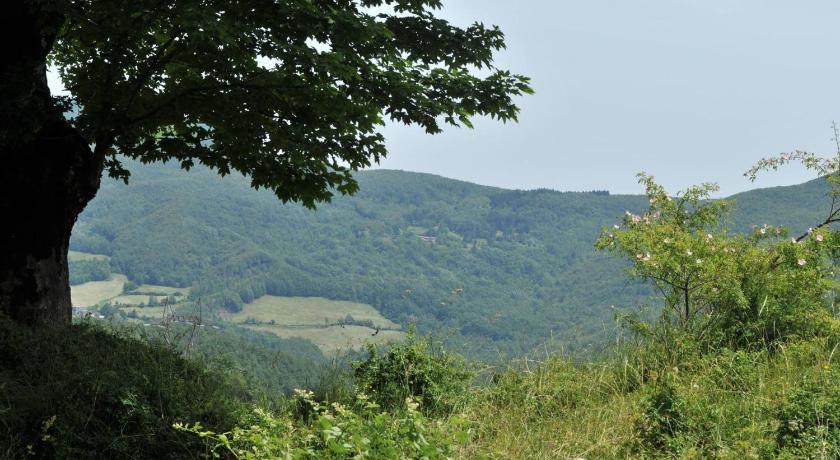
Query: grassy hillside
x=86 y=392
x=93 y=292
x=638 y=405
x=65 y=398
x=496 y=271
x=334 y=326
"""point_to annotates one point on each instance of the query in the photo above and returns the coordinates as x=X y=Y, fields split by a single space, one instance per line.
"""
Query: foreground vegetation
x=652 y=399
x=84 y=392
x=669 y=402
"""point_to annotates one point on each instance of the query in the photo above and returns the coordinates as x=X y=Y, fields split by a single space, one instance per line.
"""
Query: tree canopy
x=290 y=93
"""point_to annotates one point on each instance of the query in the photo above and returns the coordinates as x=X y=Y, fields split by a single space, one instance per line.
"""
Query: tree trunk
x=43 y=188
x=48 y=173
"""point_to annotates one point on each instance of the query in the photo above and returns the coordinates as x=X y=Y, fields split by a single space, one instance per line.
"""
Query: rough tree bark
x=48 y=173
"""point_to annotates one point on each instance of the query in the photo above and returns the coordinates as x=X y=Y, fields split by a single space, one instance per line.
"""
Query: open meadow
x=319 y=320
x=93 y=292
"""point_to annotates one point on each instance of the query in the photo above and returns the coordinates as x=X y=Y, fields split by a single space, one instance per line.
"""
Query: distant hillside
x=496 y=271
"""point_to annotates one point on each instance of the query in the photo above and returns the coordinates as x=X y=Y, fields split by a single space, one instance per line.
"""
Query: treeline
x=83 y=271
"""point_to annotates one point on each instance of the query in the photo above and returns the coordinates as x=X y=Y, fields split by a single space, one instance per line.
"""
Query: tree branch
x=831 y=219
x=154 y=64
x=197 y=90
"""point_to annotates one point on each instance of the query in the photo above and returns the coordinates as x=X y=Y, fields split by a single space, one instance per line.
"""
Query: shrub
x=417 y=369
x=662 y=418
x=130 y=286
x=727 y=290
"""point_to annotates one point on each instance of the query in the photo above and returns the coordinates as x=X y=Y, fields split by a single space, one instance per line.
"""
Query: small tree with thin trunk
x=674 y=246
x=290 y=93
x=723 y=288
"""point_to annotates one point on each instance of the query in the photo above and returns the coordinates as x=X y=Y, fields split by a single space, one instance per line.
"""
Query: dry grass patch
x=95 y=292
x=556 y=411
x=130 y=299
x=333 y=339
x=309 y=311
x=76 y=256
x=146 y=312
x=162 y=290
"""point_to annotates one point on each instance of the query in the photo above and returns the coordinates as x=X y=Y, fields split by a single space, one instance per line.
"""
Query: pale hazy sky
x=687 y=90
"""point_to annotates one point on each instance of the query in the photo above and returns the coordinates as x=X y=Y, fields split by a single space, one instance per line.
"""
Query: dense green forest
x=82 y=271
x=497 y=272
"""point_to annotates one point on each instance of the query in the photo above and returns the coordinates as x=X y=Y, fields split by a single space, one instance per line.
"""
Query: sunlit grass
x=309 y=311
x=91 y=293
x=559 y=410
x=76 y=256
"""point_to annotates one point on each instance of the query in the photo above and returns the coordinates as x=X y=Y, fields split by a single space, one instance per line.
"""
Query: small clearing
x=130 y=299
x=154 y=289
x=94 y=292
x=319 y=320
x=76 y=256
x=333 y=339
x=146 y=312
x=305 y=311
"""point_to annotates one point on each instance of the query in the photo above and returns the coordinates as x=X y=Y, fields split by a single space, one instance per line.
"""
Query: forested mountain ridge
x=495 y=270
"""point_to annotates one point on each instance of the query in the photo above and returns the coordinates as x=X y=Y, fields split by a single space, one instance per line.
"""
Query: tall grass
x=84 y=392
x=649 y=402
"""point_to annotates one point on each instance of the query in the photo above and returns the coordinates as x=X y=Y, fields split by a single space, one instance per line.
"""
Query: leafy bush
x=417 y=369
x=335 y=431
x=727 y=290
x=662 y=418
x=130 y=286
x=83 y=392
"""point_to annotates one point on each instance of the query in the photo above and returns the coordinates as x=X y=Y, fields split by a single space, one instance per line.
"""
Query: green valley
x=334 y=326
x=495 y=272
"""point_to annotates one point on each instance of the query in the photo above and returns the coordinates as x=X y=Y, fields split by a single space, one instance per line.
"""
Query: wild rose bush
x=724 y=288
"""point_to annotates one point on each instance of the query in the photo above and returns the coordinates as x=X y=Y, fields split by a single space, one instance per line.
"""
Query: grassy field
x=731 y=405
x=138 y=303
x=94 y=292
x=76 y=256
x=332 y=339
x=316 y=319
x=309 y=311
x=161 y=290
x=147 y=312
x=130 y=299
